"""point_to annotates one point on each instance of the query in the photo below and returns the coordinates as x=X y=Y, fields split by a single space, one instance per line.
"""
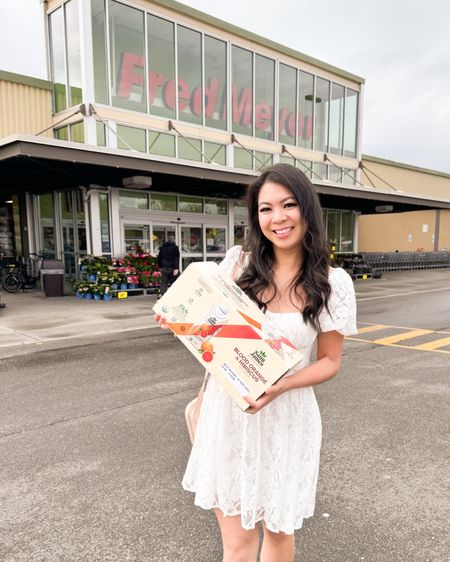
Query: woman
x=262 y=465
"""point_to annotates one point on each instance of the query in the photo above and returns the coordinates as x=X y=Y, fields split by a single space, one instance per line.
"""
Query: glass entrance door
x=73 y=230
x=197 y=242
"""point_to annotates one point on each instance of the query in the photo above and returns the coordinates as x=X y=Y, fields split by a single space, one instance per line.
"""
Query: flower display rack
x=104 y=278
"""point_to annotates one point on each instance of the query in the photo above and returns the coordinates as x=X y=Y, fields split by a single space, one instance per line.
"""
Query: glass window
x=215 y=207
x=286 y=159
x=305 y=109
x=240 y=213
x=243 y=159
x=190 y=149
x=190 y=204
x=242 y=90
x=321 y=105
x=240 y=221
x=306 y=167
x=99 y=49
x=58 y=59
x=73 y=52
x=263 y=160
x=346 y=244
x=161 y=143
x=335 y=174
x=190 y=103
x=161 y=65
x=161 y=202
x=264 y=97
x=287 y=114
x=333 y=228
x=101 y=134
x=131 y=138
x=215 y=152
x=215 y=240
x=137 y=238
x=191 y=239
x=336 y=118
x=104 y=223
x=350 y=123
x=126 y=27
x=77 y=132
x=320 y=171
x=348 y=176
x=47 y=225
x=133 y=199
x=81 y=222
x=240 y=232
x=215 y=83
x=62 y=133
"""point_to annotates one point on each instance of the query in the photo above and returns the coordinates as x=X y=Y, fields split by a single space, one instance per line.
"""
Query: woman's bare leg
x=277 y=547
x=239 y=545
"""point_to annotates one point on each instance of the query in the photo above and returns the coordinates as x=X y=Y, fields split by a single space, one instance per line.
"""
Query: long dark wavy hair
x=312 y=275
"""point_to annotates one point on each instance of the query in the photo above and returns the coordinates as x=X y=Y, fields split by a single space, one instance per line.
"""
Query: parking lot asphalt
x=93 y=444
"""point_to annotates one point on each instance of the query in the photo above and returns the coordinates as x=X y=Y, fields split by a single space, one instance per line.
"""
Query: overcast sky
x=400 y=47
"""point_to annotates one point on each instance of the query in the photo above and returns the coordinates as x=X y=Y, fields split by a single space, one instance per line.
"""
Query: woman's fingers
x=162 y=321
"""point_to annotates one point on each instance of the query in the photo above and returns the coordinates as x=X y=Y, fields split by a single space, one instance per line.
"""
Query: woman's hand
x=271 y=393
x=162 y=321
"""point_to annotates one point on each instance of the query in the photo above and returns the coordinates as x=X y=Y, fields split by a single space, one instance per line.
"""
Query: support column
x=437 y=227
x=94 y=219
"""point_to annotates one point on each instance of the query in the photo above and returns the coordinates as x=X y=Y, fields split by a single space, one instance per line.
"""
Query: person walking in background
x=169 y=263
x=262 y=465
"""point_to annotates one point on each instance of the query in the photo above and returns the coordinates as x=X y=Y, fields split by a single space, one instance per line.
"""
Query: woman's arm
x=329 y=353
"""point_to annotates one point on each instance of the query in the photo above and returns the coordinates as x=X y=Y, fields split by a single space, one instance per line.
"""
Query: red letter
x=291 y=125
x=154 y=81
x=242 y=109
x=281 y=120
x=169 y=94
x=263 y=116
x=196 y=101
x=300 y=126
x=127 y=74
x=183 y=94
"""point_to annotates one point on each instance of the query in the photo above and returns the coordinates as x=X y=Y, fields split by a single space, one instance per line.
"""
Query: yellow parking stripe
x=431 y=345
x=403 y=336
x=351 y=338
x=368 y=329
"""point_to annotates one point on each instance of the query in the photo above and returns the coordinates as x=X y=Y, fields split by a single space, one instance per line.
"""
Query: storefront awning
x=41 y=165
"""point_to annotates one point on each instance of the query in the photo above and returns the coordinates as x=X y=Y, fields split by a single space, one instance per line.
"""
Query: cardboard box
x=226 y=331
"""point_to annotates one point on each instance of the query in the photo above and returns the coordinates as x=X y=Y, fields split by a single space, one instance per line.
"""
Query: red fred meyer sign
x=131 y=74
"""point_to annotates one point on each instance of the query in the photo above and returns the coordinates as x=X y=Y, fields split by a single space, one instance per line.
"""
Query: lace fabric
x=265 y=466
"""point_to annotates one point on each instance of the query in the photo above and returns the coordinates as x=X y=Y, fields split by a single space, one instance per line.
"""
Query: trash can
x=52 y=273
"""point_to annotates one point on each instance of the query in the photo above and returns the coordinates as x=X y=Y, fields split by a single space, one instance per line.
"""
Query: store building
x=155 y=118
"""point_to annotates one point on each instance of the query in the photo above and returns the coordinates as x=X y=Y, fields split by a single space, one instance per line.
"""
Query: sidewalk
x=30 y=319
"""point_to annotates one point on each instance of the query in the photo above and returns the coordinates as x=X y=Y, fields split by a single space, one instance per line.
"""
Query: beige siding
x=402 y=231
x=411 y=180
x=24 y=109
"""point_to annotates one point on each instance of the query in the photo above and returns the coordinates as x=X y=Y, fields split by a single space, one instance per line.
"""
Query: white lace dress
x=265 y=466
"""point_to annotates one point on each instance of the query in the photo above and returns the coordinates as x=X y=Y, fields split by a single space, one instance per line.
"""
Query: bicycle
x=24 y=275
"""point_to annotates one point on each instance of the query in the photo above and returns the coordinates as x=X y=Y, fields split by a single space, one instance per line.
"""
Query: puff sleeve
x=341 y=304
x=229 y=263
